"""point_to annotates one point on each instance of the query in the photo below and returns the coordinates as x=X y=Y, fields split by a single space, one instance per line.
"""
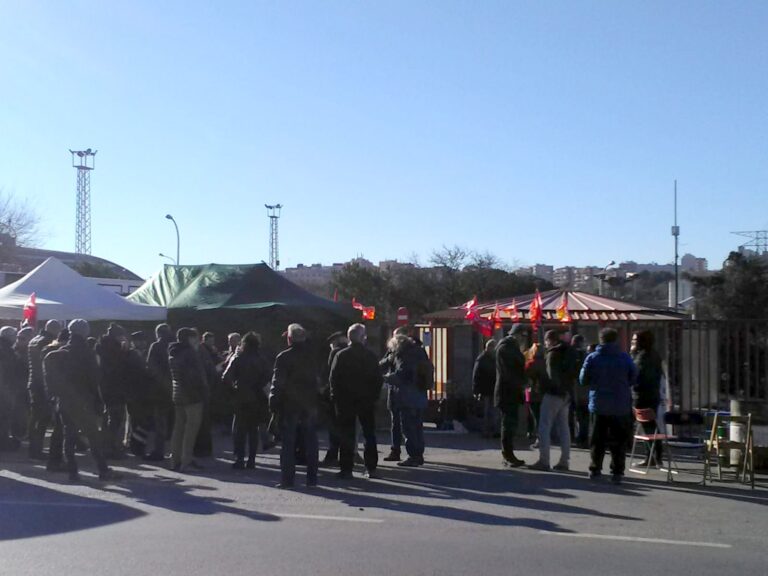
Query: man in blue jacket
x=609 y=373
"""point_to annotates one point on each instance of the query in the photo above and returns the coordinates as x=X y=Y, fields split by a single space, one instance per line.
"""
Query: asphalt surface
x=459 y=514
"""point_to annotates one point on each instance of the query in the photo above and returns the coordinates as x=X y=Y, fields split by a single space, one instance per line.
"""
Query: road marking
x=54 y=504
x=638 y=539
x=331 y=518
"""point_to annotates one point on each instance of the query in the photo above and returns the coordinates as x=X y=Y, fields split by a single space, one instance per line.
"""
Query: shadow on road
x=28 y=510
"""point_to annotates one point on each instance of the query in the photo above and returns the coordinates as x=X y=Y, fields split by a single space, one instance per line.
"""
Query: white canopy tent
x=64 y=294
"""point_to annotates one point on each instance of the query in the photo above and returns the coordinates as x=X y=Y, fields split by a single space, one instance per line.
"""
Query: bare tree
x=19 y=220
x=452 y=258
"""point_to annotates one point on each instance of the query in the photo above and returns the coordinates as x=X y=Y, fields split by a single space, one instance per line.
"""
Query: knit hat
x=53 y=326
x=80 y=328
x=519 y=329
x=116 y=331
x=8 y=333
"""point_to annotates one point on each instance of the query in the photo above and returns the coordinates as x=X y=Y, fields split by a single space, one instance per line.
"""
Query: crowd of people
x=119 y=393
x=570 y=391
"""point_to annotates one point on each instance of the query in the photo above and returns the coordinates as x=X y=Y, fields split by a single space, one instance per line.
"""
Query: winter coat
x=248 y=373
x=114 y=373
x=190 y=385
x=647 y=389
x=484 y=374
x=295 y=381
x=72 y=375
x=561 y=371
x=610 y=374
x=511 y=380
x=404 y=363
x=355 y=378
x=160 y=369
x=8 y=375
x=36 y=382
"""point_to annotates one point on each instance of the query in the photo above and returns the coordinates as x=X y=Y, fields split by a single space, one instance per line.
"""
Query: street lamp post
x=167 y=258
x=178 y=240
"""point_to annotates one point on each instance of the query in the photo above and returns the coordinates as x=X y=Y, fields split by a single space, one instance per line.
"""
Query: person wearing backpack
x=556 y=386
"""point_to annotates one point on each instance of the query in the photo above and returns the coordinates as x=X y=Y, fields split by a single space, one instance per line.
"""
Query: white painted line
x=54 y=504
x=638 y=539
x=331 y=518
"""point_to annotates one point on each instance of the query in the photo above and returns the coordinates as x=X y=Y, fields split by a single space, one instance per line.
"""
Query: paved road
x=460 y=514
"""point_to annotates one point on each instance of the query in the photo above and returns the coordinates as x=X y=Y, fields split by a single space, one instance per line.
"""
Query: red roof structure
x=583 y=307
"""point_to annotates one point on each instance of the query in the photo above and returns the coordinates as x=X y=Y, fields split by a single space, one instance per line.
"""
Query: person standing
x=580 y=395
x=162 y=386
x=646 y=393
x=20 y=415
x=355 y=383
x=509 y=391
x=55 y=461
x=9 y=373
x=72 y=375
x=338 y=341
x=248 y=374
x=40 y=412
x=609 y=373
x=483 y=383
x=190 y=389
x=294 y=397
x=112 y=349
x=556 y=386
x=211 y=359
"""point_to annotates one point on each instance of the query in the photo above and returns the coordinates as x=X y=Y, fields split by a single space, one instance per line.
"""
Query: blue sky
x=541 y=131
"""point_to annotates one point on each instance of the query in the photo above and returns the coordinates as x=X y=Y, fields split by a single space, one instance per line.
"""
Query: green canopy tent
x=238 y=298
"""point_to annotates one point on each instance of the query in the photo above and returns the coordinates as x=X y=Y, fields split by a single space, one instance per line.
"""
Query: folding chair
x=686 y=443
x=644 y=416
x=719 y=447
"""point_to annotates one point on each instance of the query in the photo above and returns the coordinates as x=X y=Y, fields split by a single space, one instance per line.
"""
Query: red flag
x=496 y=317
x=562 y=311
x=336 y=295
x=512 y=311
x=470 y=307
x=369 y=313
x=535 y=312
x=356 y=305
x=30 y=310
x=484 y=326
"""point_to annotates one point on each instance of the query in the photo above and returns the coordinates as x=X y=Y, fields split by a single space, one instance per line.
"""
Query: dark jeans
x=508 y=431
x=204 y=442
x=397 y=429
x=78 y=420
x=245 y=428
x=582 y=419
x=289 y=424
x=611 y=432
x=534 y=410
x=334 y=443
x=39 y=420
x=346 y=420
x=412 y=420
x=113 y=423
x=56 y=448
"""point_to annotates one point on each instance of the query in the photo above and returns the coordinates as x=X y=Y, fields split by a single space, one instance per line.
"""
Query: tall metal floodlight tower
x=676 y=234
x=274 y=249
x=84 y=161
x=758 y=241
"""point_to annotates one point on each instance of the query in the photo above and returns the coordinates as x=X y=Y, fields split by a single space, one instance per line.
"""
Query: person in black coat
x=356 y=383
x=338 y=341
x=40 y=410
x=509 y=391
x=190 y=391
x=483 y=384
x=646 y=392
x=112 y=349
x=294 y=398
x=72 y=375
x=162 y=406
x=248 y=374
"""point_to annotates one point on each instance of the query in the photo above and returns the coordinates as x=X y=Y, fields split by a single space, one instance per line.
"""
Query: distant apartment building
x=564 y=277
x=543 y=271
x=318 y=274
x=690 y=263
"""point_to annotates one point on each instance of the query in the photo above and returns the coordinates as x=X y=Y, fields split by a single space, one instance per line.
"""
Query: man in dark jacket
x=509 y=391
x=72 y=376
x=356 y=381
x=162 y=407
x=190 y=389
x=609 y=373
x=580 y=403
x=248 y=374
x=646 y=393
x=40 y=410
x=112 y=349
x=338 y=341
x=483 y=384
x=294 y=398
x=56 y=448
x=9 y=373
x=556 y=388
